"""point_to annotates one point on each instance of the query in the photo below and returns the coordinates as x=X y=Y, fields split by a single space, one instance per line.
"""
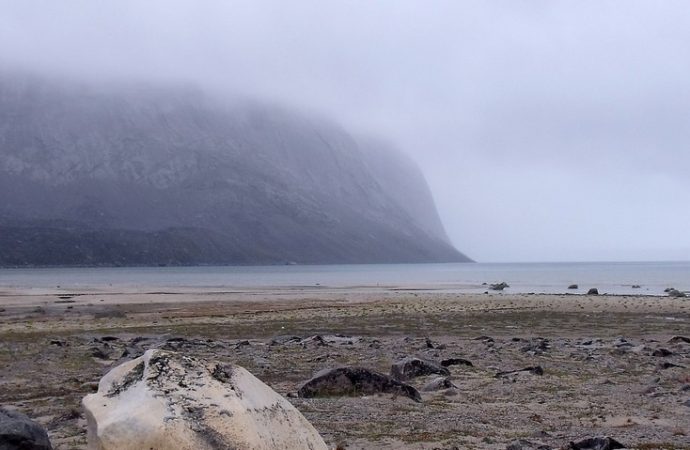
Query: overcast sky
x=548 y=130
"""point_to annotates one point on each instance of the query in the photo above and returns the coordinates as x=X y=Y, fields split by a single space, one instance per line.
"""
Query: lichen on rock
x=165 y=400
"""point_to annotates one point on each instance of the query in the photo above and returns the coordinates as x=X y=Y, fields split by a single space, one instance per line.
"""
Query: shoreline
x=457 y=289
x=627 y=279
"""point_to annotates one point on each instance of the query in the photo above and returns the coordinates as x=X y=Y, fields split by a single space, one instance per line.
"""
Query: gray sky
x=548 y=130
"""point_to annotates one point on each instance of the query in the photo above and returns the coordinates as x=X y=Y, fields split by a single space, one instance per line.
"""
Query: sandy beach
x=612 y=365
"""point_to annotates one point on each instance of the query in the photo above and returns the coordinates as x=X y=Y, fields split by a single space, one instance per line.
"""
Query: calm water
x=614 y=278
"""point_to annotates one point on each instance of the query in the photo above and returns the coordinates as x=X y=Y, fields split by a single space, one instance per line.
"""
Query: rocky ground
x=601 y=366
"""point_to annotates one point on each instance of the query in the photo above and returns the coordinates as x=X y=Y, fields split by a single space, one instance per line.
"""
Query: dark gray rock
x=100 y=352
x=456 y=362
x=18 y=432
x=412 y=367
x=596 y=443
x=662 y=352
x=573 y=286
x=176 y=343
x=131 y=352
x=669 y=365
x=593 y=291
x=438 y=384
x=354 y=381
x=622 y=342
x=676 y=293
x=679 y=339
x=499 y=286
x=536 y=346
x=283 y=340
x=316 y=340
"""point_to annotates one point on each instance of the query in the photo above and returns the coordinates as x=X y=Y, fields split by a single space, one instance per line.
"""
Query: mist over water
x=547 y=130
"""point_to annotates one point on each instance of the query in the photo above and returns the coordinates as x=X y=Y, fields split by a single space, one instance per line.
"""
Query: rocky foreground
x=449 y=371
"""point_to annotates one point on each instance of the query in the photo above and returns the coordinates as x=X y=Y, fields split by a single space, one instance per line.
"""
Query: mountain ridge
x=190 y=180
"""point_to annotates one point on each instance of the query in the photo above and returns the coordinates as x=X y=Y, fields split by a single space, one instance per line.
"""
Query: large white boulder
x=164 y=400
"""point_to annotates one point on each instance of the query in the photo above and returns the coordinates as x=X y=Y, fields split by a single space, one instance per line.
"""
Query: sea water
x=613 y=278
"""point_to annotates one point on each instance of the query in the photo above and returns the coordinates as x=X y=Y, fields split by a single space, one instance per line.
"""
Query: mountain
x=142 y=175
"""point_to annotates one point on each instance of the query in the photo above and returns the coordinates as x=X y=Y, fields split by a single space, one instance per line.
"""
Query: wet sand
x=597 y=352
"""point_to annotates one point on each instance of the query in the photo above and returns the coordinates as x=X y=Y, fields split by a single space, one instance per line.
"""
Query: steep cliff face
x=135 y=175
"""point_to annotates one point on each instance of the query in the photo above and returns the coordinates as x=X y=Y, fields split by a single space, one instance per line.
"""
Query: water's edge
x=551 y=278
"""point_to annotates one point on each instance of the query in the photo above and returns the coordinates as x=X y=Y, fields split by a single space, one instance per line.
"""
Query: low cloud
x=548 y=130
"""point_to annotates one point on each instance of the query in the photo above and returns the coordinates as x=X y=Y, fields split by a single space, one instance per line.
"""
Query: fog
x=548 y=130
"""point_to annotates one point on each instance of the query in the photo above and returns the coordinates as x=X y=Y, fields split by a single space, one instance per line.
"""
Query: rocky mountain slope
x=140 y=175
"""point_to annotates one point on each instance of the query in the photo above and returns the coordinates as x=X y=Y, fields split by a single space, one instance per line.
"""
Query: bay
x=552 y=278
